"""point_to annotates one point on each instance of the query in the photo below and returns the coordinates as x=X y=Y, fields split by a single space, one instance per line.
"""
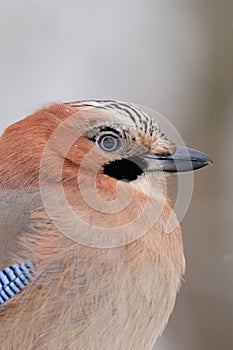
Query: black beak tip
x=198 y=164
x=199 y=159
x=209 y=161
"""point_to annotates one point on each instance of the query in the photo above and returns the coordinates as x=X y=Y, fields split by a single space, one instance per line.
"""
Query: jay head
x=84 y=214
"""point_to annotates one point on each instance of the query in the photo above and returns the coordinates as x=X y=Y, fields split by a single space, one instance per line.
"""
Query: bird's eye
x=108 y=143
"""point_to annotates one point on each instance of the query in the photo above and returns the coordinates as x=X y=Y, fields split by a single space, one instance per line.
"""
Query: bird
x=86 y=260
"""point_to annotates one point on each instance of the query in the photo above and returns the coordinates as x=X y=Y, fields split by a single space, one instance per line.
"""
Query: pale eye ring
x=108 y=143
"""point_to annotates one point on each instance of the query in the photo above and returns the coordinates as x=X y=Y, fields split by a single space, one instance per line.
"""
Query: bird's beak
x=181 y=160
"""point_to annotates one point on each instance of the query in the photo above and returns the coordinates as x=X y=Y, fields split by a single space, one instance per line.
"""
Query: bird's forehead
x=127 y=115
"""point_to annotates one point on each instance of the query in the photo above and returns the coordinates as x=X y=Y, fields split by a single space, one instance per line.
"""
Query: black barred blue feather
x=15 y=278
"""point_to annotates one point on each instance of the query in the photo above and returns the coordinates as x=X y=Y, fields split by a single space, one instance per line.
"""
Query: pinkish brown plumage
x=88 y=296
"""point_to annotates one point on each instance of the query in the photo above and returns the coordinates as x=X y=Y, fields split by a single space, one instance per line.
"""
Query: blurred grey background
x=175 y=56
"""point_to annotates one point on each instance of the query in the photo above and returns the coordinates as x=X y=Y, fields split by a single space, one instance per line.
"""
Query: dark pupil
x=108 y=143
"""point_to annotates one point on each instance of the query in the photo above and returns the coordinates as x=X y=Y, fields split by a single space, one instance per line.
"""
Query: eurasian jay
x=86 y=260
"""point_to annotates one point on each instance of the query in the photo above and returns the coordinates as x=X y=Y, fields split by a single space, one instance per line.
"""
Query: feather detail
x=15 y=278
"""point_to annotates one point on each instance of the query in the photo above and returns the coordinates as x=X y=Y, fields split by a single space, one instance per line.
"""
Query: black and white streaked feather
x=143 y=122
